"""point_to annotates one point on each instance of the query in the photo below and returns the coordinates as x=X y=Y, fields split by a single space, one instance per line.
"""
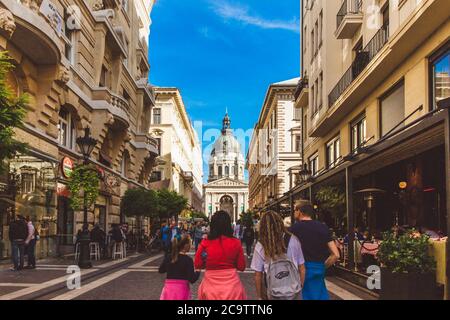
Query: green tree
x=12 y=113
x=199 y=215
x=170 y=203
x=140 y=203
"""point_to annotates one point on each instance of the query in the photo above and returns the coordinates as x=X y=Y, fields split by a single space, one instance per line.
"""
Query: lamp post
x=305 y=173
x=86 y=145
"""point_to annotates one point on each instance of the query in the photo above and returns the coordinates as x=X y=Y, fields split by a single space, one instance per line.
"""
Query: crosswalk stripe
x=16 y=284
x=103 y=280
x=40 y=286
x=90 y=286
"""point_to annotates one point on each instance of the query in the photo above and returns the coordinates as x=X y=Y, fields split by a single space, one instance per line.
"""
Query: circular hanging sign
x=67 y=166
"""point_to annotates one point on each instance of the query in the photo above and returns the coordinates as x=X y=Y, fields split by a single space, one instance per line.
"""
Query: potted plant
x=407 y=268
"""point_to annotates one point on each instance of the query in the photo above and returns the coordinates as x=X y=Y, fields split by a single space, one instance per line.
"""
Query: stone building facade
x=180 y=167
x=275 y=147
x=82 y=64
x=374 y=97
x=226 y=188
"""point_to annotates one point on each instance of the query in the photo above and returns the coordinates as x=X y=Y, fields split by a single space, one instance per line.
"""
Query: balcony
x=426 y=18
x=148 y=143
x=349 y=19
x=362 y=59
x=301 y=93
x=116 y=105
x=35 y=30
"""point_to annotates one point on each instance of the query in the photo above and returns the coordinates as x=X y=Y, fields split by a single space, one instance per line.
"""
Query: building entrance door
x=226 y=204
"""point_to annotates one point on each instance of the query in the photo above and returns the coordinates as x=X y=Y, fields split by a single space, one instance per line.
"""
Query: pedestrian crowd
x=289 y=262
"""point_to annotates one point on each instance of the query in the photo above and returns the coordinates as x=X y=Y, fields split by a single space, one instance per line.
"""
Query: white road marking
x=17 y=284
x=58 y=269
x=340 y=292
x=104 y=280
x=40 y=286
x=90 y=286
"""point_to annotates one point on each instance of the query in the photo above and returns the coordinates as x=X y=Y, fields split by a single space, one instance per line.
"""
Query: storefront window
x=440 y=73
x=29 y=189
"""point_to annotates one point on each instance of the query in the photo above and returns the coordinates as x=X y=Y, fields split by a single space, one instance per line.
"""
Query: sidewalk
x=6 y=264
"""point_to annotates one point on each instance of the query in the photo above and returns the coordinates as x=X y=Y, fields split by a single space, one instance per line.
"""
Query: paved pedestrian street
x=133 y=278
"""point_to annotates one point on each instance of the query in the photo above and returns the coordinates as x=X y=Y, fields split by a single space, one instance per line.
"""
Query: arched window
x=66 y=129
x=227 y=170
x=220 y=170
x=211 y=170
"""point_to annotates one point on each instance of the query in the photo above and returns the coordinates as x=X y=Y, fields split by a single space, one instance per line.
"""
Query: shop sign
x=67 y=166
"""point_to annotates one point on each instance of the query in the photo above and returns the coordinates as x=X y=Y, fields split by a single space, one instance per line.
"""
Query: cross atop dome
x=226 y=123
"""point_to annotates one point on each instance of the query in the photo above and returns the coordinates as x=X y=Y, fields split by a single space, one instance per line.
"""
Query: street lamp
x=86 y=145
x=305 y=173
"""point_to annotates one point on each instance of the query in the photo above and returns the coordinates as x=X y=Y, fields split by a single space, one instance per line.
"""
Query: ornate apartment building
x=181 y=166
x=275 y=148
x=373 y=73
x=82 y=64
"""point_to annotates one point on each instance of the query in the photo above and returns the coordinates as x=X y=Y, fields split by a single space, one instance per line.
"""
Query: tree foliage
x=140 y=202
x=170 y=203
x=199 y=215
x=12 y=113
x=84 y=178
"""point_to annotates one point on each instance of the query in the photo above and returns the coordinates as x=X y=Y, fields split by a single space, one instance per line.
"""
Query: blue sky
x=224 y=54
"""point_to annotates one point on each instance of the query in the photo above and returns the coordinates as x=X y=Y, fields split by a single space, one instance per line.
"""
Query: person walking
x=198 y=235
x=238 y=230
x=277 y=252
x=30 y=244
x=180 y=271
x=319 y=250
x=222 y=256
x=165 y=237
x=249 y=238
x=18 y=233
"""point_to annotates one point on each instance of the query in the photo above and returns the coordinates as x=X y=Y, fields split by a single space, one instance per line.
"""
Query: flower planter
x=407 y=286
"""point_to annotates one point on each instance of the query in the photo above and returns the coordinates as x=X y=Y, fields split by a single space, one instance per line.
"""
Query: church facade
x=226 y=188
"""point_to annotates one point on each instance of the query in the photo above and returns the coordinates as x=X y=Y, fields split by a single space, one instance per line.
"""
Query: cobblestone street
x=133 y=278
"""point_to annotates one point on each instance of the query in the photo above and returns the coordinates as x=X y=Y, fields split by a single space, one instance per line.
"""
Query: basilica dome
x=226 y=158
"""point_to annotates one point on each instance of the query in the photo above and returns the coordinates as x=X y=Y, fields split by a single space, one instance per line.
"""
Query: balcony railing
x=188 y=176
x=302 y=84
x=362 y=59
x=348 y=7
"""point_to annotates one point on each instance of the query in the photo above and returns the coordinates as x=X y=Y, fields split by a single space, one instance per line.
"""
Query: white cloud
x=241 y=14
